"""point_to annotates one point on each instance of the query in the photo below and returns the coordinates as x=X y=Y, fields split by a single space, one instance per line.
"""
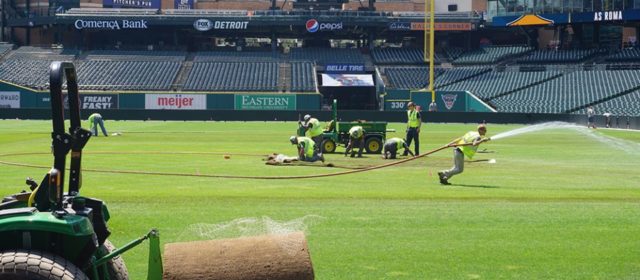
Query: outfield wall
x=446 y=101
x=15 y=97
x=279 y=115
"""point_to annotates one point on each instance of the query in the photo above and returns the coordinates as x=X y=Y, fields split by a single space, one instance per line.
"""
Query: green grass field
x=556 y=204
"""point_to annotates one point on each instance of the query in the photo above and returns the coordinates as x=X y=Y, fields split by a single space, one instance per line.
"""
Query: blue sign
x=183 y=4
x=606 y=16
x=399 y=25
x=140 y=4
x=344 y=68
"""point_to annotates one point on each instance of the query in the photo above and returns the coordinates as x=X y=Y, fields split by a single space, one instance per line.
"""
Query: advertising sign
x=399 y=26
x=451 y=101
x=183 y=4
x=347 y=80
x=110 y=24
x=140 y=4
x=314 y=26
x=206 y=25
x=265 y=102
x=344 y=68
x=606 y=16
x=444 y=26
x=9 y=99
x=95 y=101
x=175 y=101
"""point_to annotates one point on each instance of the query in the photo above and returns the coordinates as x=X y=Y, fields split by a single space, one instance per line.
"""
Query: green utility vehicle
x=337 y=133
x=48 y=233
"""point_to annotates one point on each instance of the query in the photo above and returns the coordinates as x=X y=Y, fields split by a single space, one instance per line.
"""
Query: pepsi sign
x=313 y=26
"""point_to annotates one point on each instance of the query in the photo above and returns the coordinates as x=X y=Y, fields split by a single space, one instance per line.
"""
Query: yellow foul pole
x=432 y=32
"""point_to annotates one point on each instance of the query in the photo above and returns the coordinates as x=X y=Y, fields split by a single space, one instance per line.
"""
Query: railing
x=111 y=11
x=238 y=13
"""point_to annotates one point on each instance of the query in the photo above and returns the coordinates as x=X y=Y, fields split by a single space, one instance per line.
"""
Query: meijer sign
x=175 y=101
x=265 y=102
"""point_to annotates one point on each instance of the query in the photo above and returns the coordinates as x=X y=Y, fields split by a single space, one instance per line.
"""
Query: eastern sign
x=140 y=4
x=110 y=24
x=9 y=99
x=344 y=68
x=314 y=26
x=265 y=102
x=175 y=101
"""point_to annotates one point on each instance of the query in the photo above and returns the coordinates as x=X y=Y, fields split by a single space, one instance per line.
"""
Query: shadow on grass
x=474 y=186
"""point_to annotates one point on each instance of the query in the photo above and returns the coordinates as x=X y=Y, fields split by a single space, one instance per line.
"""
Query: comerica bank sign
x=110 y=24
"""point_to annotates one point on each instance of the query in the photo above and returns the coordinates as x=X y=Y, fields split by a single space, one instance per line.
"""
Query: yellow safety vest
x=309 y=145
x=316 y=129
x=412 y=118
x=469 y=137
x=356 y=131
x=398 y=141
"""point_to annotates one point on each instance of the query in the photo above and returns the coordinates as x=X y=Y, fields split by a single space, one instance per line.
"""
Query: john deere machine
x=50 y=233
x=57 y=234
x=337 y=133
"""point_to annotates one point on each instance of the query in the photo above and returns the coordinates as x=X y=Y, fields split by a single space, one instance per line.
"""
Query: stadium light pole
x=432 y=31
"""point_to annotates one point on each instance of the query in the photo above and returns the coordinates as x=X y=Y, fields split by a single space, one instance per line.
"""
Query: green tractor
x=337 y=133
x=48 y=233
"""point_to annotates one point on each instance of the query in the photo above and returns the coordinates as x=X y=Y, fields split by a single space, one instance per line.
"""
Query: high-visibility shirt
x=398 y=141
x=412 y=118
x=308 y=145
x=356 y=131
x=469 y=137
x=93 y=116
x=316 y=129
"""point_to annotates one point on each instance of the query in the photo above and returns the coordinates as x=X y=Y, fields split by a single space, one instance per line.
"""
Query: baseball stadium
x=319 y=139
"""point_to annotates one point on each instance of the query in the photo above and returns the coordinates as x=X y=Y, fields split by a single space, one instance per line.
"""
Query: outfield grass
x=556 y=205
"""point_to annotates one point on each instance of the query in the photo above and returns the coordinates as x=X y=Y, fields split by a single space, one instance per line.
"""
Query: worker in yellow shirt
x=306 y=149
x=414 y=122
x=96 y=120
x=356 y=137
x=313 y=130
x=466 y=145
x=392 y=146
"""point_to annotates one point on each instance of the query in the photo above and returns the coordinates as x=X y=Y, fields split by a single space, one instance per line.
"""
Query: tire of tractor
x=115 y=267
x=373 y=145
x=25 y=264
x=328 y=146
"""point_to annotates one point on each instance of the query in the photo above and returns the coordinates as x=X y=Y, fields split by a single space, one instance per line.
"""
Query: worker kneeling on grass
x=356 y=137
x=466 y=145
x=306 y=149
x=393 y=145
